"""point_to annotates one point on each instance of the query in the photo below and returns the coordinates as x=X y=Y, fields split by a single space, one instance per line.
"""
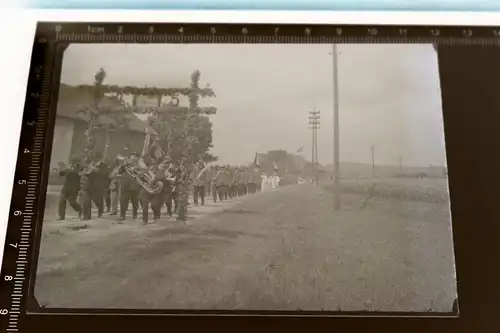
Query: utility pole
x=314 y=121
x=373 y=161
x=336 y=134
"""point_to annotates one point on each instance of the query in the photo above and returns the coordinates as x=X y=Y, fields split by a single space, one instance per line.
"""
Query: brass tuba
x=145 y=180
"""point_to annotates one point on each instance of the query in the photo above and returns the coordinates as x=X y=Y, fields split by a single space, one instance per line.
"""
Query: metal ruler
x=267 y=33
x=28 y=199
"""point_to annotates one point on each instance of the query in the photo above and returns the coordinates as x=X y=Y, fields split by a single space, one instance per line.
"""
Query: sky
x=389 y=95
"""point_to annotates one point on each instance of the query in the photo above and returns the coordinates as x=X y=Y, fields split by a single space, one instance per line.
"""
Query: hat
x=134 y=154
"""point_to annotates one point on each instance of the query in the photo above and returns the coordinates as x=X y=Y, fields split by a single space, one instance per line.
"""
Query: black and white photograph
x=259 y=177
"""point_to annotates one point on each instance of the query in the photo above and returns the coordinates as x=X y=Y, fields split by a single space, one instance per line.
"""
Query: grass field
x=430 y=190
x=282 y=250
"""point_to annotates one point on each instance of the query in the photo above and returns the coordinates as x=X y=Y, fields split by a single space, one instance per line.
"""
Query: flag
x=256 y=161
x=301 y=149
x=275 y=166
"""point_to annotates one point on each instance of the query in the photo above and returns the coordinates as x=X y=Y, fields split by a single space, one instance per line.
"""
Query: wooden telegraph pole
x=336 y=133
x=314 y=121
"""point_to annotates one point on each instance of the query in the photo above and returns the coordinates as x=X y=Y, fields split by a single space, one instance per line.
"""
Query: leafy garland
x=93 y=113
x=176 y=125
x=187 y=141
x=152 y=91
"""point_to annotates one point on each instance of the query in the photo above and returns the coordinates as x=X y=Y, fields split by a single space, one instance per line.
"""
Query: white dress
x=263 y=184
x=274 y=182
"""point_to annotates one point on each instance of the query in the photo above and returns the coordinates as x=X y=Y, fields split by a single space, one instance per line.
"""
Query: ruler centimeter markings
x=27 y=176
x=143 y=39
x=269 y=33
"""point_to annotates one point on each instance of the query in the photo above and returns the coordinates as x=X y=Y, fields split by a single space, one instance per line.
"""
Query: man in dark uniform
x=251 y=181
x=248 y=179
x=257 y=176
x=104 y=181
x=93 y=187
x=222 y=183
x=200 y=182
x=233 y=181
x=168 y=184
x=71 y=186
x=226 y=181
x=242 y=183
x=153 y=200
x=235 y=176
x=129 y=189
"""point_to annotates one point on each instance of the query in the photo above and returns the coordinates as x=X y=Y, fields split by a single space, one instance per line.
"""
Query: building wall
x=61 y=144
x=118 y=140
x=69 y=141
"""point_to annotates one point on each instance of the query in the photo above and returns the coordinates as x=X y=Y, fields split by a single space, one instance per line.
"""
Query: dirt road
x=282 y=250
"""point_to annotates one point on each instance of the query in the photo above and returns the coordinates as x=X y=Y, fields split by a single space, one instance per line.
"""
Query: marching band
x=149 y=184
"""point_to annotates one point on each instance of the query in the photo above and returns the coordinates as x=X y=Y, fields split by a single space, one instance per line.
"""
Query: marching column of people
x=115 y=189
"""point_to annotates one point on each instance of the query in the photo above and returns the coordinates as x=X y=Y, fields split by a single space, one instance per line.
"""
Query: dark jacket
x=102 y=178
x=127 y=182
x=71 y=180
x=223 y=179
x=242 y=177
x=98 y=180
x=254 y=177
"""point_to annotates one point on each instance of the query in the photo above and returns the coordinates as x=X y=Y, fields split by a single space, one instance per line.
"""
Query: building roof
x=72 y=99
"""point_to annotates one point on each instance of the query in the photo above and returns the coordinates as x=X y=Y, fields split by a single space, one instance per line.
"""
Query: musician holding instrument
x=93 y=179
x=147 y=198
x=70 y=188
x=168 y=184
x=129 y=188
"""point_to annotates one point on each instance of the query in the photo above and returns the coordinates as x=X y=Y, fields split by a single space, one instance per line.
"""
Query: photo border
x=472 y=195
